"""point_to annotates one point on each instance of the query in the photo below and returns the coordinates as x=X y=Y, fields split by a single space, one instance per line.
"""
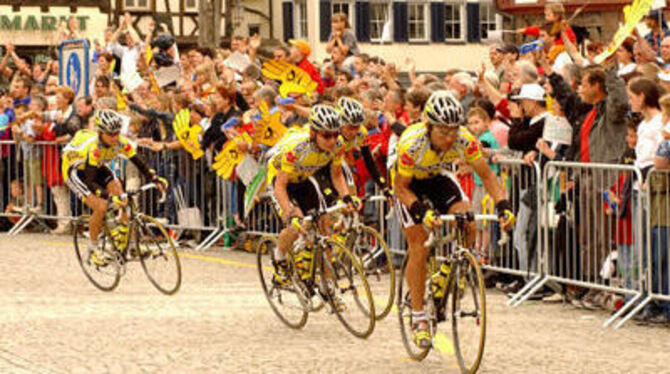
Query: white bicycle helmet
x=325 y=118
x=108 y=121
x=443 y=109
x=352 y=111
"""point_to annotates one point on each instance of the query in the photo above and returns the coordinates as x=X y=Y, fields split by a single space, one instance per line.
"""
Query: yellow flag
x=294 y=79
x=269 y=129
x=150 y=54
x=230 y=156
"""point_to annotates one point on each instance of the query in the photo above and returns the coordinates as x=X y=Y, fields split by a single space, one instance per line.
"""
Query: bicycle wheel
x=283 y=299
x=344 y=279
x=468 y=312
x=104 y=277
x=157 y=254
x=377 y=263
x=404 y=306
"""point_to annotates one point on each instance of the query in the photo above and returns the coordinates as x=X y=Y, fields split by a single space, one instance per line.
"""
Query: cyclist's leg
x=416 y=265
x=448 y=198
x=114 y=188
x=471 y=227
x=83 y=183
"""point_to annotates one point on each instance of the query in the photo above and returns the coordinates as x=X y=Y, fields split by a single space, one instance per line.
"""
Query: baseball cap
x=531 y=91
x=302 y=45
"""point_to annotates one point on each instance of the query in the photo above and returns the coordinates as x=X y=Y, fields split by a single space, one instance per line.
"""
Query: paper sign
x=633 y=14
x=254 y=189
x=131 y=81
x=557 y=130
x=237 y=61
x=167 y=75
x=230 y=156
x=247 y=169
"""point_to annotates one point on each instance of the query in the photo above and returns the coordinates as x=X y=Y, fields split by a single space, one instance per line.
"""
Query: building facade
x=438 y=35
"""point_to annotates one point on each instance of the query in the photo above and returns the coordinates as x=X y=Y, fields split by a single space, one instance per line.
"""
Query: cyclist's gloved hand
x=352 y=201
x=118 y=202
x=505 y=214
x=420 y=212
x=161 y=182
x=297 y=224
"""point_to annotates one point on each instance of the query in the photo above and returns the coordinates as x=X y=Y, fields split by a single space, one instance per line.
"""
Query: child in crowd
x=617 y=202
x=479 y=125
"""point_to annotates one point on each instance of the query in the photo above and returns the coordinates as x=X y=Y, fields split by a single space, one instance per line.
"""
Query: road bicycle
x=464 y=299
x=147 y=242
x=320 y=271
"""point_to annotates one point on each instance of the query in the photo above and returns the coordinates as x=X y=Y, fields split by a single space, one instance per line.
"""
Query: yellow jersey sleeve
x=471 y=148
x=128 y=147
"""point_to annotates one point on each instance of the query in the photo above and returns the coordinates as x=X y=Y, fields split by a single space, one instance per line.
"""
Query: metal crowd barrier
x=568 y=212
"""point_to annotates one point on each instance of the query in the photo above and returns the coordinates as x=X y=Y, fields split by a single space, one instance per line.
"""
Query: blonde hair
x=557 y=9
x=341 y=17
x=479 y=113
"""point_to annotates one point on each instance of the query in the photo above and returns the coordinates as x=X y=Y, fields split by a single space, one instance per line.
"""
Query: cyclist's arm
x=372 y=166
x=281 y=195
x=489 y=179
x=339 y=182
x=142 y=166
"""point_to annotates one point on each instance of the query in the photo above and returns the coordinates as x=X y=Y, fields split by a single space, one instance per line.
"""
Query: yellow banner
x=633 y=14
x=230 y=156
x=269 y=129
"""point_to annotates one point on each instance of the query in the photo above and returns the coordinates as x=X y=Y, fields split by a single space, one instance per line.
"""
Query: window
x=136 y=4
x=191 y=5
x=454 y=21
x=379 y=15
x=300 y=14
x=418 y=22
x=346 y=7
x=254 y=29
x=488 y=19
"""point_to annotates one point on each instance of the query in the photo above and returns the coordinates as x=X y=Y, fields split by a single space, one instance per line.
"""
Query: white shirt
x=562 y=60
x=649 y=137
x=128 y=56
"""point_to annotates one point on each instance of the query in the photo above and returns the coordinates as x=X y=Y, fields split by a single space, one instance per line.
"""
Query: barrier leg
x=21 y=224
x=523 y=290
x=623 y=310
x=211 y=239
x=633 y=312
x=532 y=291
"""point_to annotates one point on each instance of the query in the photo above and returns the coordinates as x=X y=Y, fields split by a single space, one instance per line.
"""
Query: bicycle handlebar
x=143 y=188
x=504 y=239
x=332 y=209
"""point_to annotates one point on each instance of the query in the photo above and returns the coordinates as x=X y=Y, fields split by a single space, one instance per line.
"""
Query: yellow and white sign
x=269 y=129
x=294 y=80
x=230 y=156
x=188 y=135
x=632 y=15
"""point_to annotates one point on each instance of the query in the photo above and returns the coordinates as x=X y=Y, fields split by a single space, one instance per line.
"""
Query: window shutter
x=363 y=21
x=437 y=19
x=287 y=13
x=472 y=20
x=400 y=22
x=325 y=14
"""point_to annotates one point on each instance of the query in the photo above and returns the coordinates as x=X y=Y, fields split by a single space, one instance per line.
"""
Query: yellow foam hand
x=187 y=135
x=269 y=129
x=230 y=156
x=294 y=79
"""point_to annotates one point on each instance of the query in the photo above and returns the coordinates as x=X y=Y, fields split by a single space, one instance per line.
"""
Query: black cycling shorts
x=308 y=195
x=91 y=180
x=442 y=191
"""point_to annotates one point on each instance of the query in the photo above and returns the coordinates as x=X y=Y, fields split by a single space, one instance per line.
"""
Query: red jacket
x=50 y=157
x=535 y=31
x=624 y=225
x=313 y=73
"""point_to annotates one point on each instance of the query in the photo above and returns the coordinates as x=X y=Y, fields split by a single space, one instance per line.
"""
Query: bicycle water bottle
x=438 y=282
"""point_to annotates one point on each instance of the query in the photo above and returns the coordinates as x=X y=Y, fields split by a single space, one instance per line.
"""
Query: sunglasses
x=329 y=135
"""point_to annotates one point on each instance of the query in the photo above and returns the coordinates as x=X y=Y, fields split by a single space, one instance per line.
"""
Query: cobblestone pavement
x=53 y=321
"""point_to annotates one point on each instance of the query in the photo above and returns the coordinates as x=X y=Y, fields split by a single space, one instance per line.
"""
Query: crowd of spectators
x=617 y=111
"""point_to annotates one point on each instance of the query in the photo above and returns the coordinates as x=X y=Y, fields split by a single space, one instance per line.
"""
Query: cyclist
x=86 y=172
x=352 y=136
x=291 y=181
x=425 y=151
